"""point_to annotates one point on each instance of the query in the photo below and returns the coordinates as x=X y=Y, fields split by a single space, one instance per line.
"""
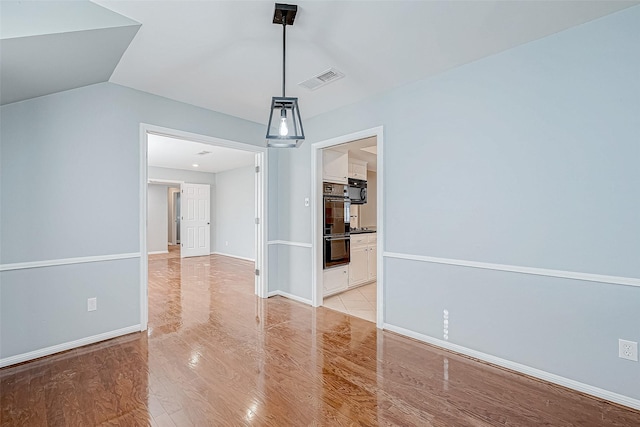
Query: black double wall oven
x=336 y=224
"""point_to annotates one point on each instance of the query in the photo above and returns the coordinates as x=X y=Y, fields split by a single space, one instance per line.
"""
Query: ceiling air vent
x=202 y=153
x=326 y=77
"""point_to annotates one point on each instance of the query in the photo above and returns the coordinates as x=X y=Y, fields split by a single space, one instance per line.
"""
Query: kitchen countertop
x=361 y=231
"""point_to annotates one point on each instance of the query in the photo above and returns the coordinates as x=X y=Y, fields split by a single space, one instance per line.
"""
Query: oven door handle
x=331 y=239
x=336 y=199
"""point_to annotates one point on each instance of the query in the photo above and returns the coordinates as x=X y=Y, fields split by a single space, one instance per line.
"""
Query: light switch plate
x=92 y=304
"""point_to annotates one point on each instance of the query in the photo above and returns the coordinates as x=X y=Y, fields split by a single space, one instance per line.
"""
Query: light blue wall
x=527 y=158
x=70 y=188
x=290 y=220
x=71 y=158
x=235 y=212
x=45 y=307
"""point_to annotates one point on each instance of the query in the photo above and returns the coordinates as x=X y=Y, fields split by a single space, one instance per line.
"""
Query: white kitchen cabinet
x=358 y=267
x=372 y=258
x=335 y=279
x=359 y=240
x=357 y=169
x=335 y=166
x=362 y=268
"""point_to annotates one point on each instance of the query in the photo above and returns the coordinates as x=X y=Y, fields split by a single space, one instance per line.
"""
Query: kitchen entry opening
x=348 y=226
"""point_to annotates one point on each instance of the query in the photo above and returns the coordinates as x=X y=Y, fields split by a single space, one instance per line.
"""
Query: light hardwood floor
x=215 y=354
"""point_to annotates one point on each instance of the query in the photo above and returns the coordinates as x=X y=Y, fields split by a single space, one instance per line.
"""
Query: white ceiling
x=226 y=55
x=48 y=47
x=166 y=152
x=362 y=149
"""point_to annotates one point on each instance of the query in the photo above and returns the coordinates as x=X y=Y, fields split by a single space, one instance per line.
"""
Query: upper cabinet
x=357 y=169
x=335 y=166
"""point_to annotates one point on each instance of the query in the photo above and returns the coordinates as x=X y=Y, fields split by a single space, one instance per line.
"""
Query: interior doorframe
x=261 y=283
x=317 y=296
x=175 y=228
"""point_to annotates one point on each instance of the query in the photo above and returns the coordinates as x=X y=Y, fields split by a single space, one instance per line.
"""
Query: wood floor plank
x=215 y=354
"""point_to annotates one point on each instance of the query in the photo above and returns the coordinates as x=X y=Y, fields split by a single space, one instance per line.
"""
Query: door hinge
x=257 y=272
x=257 y=169
x=257 y=220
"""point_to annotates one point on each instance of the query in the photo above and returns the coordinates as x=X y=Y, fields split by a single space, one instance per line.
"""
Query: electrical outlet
x=628 y=350
x=92 y=304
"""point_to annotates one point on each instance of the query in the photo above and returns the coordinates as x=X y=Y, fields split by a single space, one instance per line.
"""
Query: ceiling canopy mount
x=285 y=14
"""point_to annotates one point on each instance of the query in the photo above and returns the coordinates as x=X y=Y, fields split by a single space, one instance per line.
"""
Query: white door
x=195 y=225
x=373 y=261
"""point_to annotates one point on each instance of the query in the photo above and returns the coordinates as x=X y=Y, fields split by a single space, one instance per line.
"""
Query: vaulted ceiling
x=227 y=55
x=49 y=47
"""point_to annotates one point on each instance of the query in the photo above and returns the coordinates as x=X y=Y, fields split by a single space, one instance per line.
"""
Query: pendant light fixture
x=285 y=127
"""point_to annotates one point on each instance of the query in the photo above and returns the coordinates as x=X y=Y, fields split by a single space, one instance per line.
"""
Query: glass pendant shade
x=285 y=127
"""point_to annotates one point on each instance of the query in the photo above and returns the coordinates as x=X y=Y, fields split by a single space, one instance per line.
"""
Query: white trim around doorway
x=316 y=216
x=261 y=211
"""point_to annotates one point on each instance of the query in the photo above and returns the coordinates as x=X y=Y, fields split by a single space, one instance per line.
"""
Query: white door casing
x=258 y=205
x=195 y=221
x=173 y=200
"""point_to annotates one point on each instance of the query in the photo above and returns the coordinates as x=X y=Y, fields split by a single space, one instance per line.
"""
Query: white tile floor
x=359 y=302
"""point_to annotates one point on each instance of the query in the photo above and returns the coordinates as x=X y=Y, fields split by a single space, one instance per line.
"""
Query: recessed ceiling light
x=195 y=165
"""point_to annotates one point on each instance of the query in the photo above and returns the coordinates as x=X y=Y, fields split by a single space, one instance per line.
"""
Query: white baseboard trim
x=517 y=367
x=588 y=277
x=24 y=357
x=290 y=296
x=233 y=256
x=66 y=261
x=289 y=243
x=157 y=252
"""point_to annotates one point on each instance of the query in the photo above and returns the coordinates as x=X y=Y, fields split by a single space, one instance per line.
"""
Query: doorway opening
x=173 y=227
x=163 y=213
x=200 y=180
x=339 y=161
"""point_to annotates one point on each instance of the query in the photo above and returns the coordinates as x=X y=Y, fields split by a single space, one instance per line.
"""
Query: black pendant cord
x=284 y=53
